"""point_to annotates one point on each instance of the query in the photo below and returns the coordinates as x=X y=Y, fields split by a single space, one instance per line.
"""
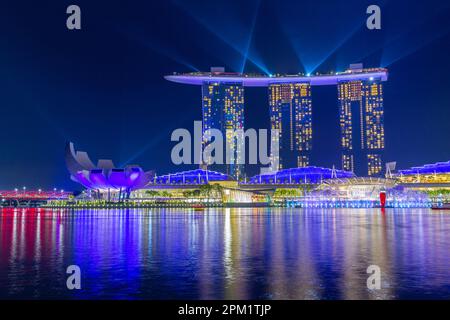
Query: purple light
x=299 y=175
x=104 y=176
x=197 y=176
x=264 y=81
x=439 y=167
x=127 y=179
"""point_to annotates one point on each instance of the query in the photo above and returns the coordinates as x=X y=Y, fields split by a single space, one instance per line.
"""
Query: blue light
x=306 y=175
x=439 y=167
x=198 y=176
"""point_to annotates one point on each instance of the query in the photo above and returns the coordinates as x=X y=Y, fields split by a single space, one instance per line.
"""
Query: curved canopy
x=248 y=80
x=439 y=167
x=300 y=175
x=198 y=176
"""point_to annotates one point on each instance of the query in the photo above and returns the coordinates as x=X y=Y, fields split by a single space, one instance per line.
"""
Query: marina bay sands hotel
x=360 y=103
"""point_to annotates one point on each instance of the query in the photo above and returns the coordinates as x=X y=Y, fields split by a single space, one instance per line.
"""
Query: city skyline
x=218 y=158
x=361 y=115
x=107 y=77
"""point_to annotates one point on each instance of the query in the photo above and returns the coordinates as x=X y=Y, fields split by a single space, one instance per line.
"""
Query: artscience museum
x=105 y=177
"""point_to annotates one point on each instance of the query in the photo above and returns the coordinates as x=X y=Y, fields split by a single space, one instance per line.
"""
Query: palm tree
x=218 y=190
x=165 y=194
x=205 y=190
x=187 y=193
x=152 y=193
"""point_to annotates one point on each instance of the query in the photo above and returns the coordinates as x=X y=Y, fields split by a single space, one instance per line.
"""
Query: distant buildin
x=223 y=109
x=360 y=96
x=31 y=198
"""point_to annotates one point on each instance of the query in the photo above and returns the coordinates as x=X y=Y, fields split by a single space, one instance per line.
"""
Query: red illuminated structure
x=34 y=195
x=383 y=199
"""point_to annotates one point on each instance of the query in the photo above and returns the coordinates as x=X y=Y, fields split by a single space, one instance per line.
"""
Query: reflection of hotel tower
x=223 y=109
x=362 y=125
x=291 y=113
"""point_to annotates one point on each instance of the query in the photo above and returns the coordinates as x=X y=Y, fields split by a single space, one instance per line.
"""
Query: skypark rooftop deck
x=257 y=80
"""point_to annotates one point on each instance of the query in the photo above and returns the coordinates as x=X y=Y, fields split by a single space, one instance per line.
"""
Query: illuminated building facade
x=436 y=173
x=303 y=175
x=194 y=177
x=360 y=95
x=223 y=109
x=362 y=125
x=291 y=113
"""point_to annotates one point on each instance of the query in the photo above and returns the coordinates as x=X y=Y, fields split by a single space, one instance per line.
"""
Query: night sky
x=102 y=87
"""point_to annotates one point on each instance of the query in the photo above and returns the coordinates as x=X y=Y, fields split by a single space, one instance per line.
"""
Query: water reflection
x=225 y=253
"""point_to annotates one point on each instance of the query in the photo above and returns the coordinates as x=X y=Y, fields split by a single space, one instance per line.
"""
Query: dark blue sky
x=102 y=87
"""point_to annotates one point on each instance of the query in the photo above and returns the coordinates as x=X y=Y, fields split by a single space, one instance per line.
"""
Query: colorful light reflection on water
x=225 y=253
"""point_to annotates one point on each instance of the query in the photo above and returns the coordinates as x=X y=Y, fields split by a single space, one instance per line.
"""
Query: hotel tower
x=291 y=113
x=360 y=103
x=361 y=119
x=223 y=109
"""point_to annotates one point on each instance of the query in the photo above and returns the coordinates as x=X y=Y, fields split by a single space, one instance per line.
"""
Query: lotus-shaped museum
x=104 y=176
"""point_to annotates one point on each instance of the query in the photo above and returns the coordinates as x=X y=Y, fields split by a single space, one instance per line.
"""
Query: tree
x=152 y=193
x=205 y=190
x=218 y=190
x=287 y=193
x=165 y=194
